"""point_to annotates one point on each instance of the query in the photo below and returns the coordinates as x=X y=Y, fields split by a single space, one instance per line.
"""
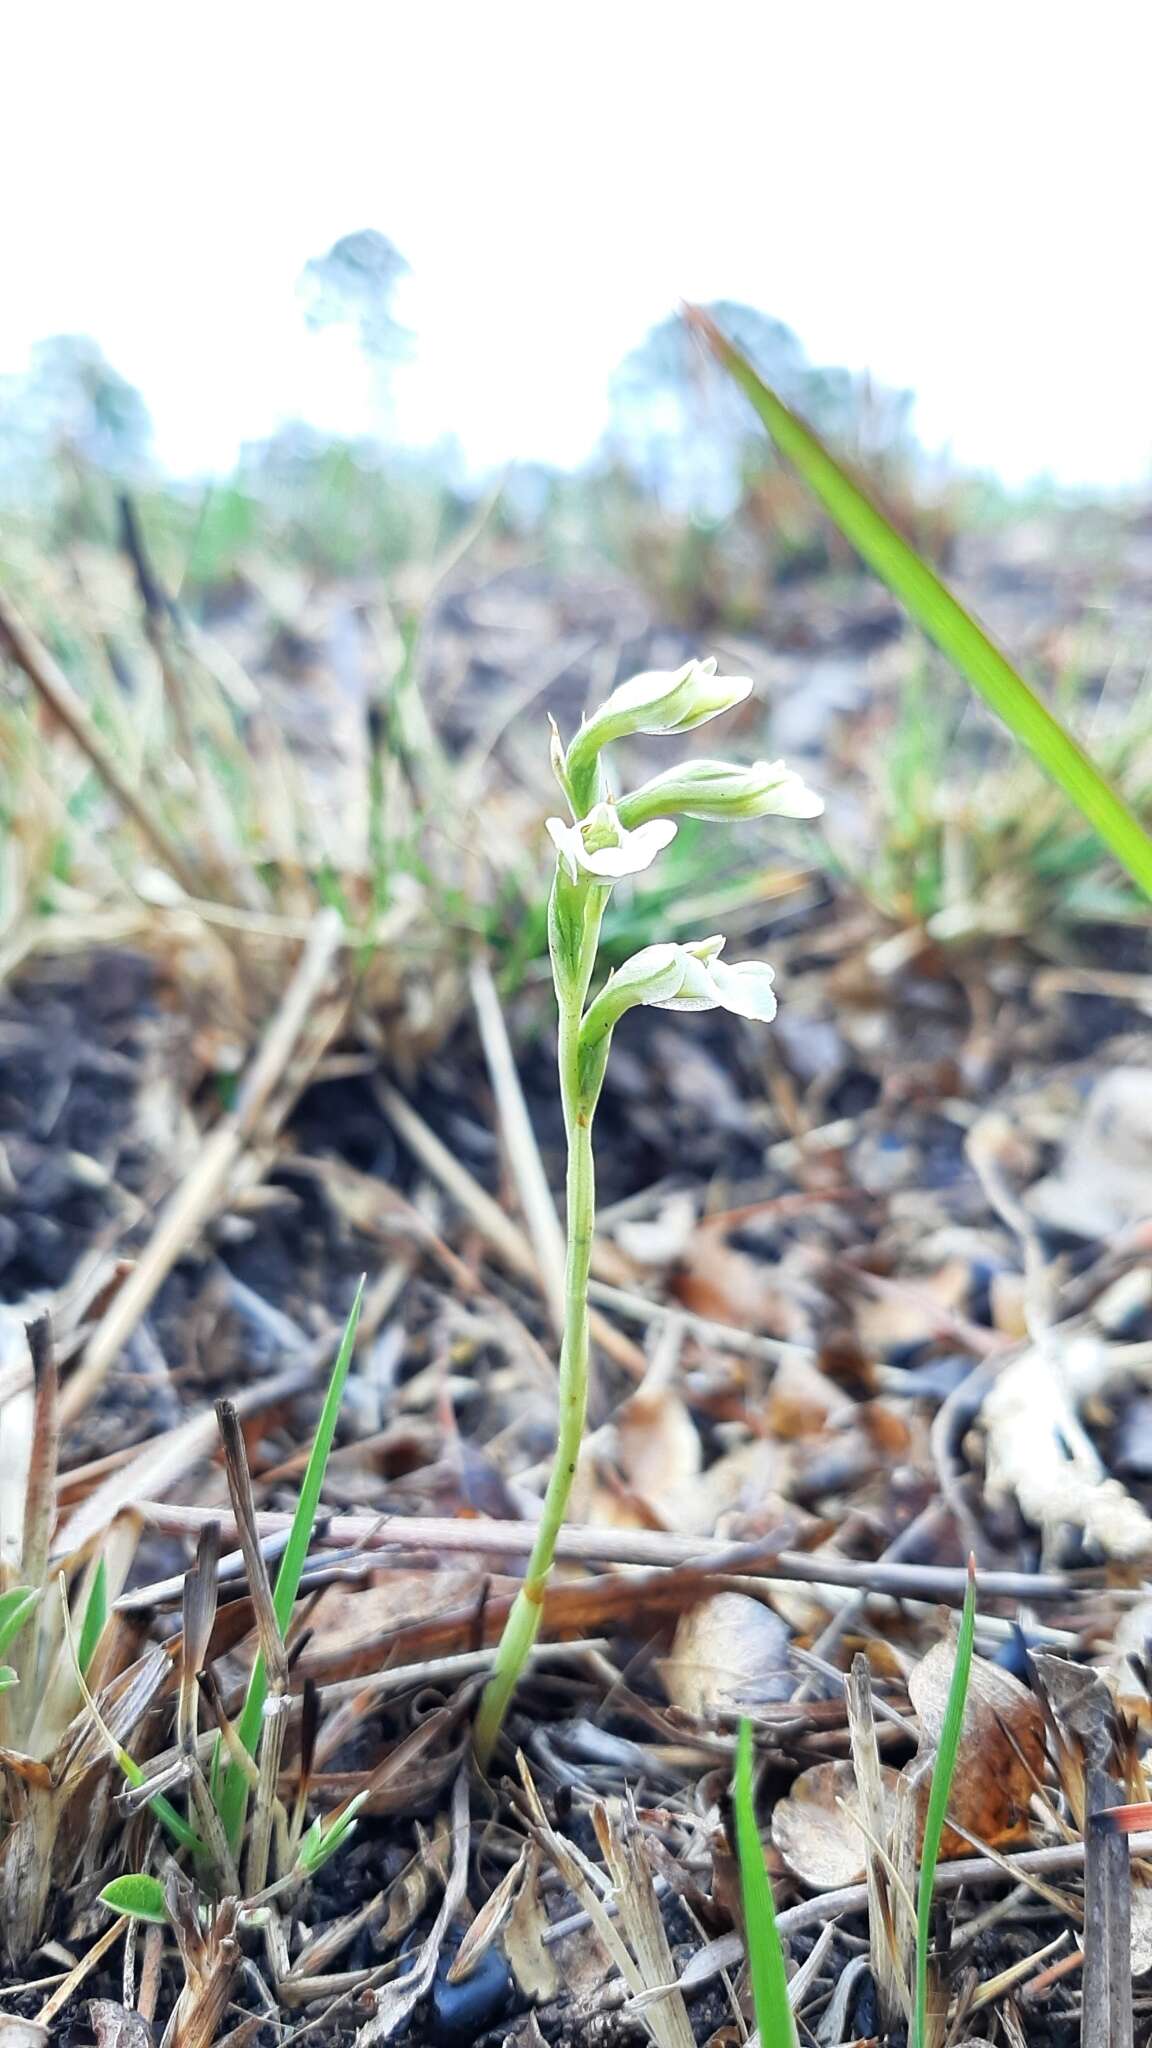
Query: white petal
x=568 y=843
x=697 y=990
x=791 y=796
x=637 y=851
x=745 y=988
x=650 y=688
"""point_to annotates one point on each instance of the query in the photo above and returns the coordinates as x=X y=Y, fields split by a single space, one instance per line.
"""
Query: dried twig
x=651 y=1548
x=1107 y=2008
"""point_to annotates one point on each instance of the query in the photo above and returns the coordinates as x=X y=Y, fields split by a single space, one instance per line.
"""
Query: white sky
x=954 y=196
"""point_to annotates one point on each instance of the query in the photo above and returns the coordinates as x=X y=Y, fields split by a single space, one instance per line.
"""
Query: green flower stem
x=579 y=1100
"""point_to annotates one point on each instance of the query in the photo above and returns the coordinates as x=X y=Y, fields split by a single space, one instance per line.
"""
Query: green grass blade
x=941 y=615
x=95 y=1615
x=938 y=1799
x=765 y=1955
x=234 y=1789
x=15 y=1607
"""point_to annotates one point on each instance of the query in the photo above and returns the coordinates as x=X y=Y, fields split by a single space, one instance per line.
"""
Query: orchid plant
x=605 y=840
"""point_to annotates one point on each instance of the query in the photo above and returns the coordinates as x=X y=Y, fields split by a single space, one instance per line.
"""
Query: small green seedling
x=233 y=1786
x=774 y=2021
x=938 y=1797
x=603 y=841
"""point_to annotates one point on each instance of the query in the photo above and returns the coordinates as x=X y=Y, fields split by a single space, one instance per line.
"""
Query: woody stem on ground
x=579 y=1095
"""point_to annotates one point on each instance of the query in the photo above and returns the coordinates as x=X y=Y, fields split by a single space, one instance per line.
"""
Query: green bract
x=721 y=791
x=604 y=843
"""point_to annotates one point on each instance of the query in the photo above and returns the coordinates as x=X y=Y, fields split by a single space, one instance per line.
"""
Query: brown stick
x=643 y=1547
x=1106 y=2011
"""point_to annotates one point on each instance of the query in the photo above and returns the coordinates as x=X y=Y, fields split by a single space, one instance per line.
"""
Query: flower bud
x=656 y=702
x=722 y=791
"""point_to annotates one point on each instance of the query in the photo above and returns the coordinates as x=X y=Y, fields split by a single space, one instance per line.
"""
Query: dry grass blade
x=40 y=1496
x=65 y=705
x=580 y=1878
x=638 y=1913
x=199 y=1605
x=211 y=1957
x=884 y=1935
x=488 y=1922
x=505 y=1237
x=520 y=1139
x=168 y=1456
x=195 y=1200
x=75 y=1977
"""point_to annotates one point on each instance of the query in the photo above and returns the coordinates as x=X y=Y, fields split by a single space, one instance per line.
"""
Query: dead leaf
x=18 y=2033
x=729 y=1286
x=657 y=1451
x=117 y=2026
x=814 y=1830
x=488 y=1922
x=531 y=1961
x=729 y=1652
x=1001 y=1747
x=800 y=1400
x=343 y=1617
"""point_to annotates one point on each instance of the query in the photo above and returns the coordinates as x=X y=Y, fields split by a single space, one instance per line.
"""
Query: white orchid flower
x=602 y=847
x=720 y=790
x=682 y=977
x=659 y=701
x=709 y=983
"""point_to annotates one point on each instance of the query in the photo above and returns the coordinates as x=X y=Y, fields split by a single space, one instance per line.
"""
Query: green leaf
x=234 y=1789
x=322 y=1842
x=95 y=1615
x=137 y=1894
x=8 y=1678
x=938 y=1797
x=765 y=1956
x=941 y=615
x=15 y=1607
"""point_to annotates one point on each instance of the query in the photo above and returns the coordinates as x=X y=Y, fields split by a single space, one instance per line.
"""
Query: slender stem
x=579 y=1102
